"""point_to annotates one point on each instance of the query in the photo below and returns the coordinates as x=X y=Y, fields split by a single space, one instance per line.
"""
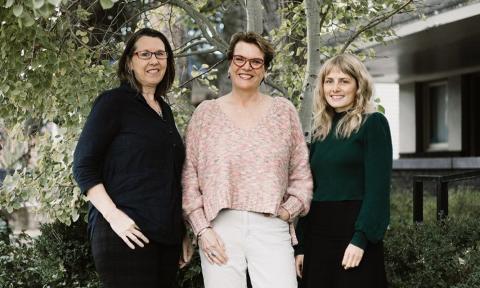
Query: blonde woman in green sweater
x=351 y=160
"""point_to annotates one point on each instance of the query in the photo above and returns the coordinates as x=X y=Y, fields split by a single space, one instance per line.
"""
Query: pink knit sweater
x=258 y=170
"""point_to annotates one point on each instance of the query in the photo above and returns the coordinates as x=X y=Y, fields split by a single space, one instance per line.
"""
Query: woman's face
x=339 y=90
x=247 y=68
x=149 y=71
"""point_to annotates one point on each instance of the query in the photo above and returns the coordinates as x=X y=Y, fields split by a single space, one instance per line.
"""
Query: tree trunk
x=312 y=10
x=254 y=9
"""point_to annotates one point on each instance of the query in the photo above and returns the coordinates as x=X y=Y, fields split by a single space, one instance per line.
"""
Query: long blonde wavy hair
x=362 y=104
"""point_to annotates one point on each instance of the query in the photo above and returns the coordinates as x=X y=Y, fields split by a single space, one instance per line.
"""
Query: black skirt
x=329 y=229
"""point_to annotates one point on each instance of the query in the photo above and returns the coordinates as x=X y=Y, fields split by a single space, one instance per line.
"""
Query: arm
x=99 y=131
x=210 y=243
x=192 y=196
x=374 y=214
x=300 y=183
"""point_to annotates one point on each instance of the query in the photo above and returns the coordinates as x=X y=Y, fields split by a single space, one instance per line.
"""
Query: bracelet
x=199 y=234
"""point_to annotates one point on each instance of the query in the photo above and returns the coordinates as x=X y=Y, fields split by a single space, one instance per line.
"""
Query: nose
x=336 y=86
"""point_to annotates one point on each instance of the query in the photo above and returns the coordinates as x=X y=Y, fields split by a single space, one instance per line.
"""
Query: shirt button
x=174 y=145
x=171 y=132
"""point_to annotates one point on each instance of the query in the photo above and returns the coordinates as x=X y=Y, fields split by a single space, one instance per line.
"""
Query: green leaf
x=37 y=4
x=27 y=20
x=381 y=109
x=106 y=4
x=9 y=3
x=17 y=10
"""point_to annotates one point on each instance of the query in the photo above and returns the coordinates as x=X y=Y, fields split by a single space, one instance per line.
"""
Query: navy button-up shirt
x=138 y=156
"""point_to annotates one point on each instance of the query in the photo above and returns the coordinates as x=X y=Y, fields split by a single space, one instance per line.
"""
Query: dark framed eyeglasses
x=146 y=55
x=255 y=63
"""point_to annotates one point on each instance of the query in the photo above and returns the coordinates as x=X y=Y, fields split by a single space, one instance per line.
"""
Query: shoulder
x=376 y=124
x=205 y=107
x=112 y=96
x=285 y=106
x=376 y=118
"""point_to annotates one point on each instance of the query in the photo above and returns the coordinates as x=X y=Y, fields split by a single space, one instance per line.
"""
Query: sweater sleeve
x=300 y=185
x=374 y=214
x=100 y=128
x=192 y=195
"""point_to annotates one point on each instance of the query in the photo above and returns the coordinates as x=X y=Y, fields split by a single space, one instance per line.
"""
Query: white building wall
x=407 y=119
x=388 y=93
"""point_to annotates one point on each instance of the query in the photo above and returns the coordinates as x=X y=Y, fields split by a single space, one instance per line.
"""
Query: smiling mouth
x=245 y=76
x=337 y=97
x=153 y=71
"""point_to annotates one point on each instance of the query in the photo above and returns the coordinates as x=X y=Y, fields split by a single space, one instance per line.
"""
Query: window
x=437 y=102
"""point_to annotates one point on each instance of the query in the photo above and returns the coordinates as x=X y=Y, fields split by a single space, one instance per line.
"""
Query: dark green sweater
x=356 y=168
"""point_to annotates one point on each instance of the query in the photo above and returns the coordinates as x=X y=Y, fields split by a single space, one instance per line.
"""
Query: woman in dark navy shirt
x=128 y=162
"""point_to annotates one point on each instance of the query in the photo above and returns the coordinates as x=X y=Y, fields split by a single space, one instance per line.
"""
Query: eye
x=144 y=54
x=161 y=54
x=328 y=81
x=257 y=62
x=239 y=58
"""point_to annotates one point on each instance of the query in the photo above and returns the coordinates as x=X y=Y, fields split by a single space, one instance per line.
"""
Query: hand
x=283 y=214
x=299 y=264
x=187 y=252
x=352 y=257
x=212 y=246
x=125 y=228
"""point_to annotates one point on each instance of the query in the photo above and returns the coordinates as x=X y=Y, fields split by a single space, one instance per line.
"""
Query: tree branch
x=204 y=24
x=372 y=24
x=191 y=45
x=199 y=52
x=276 y=87
x=203 y=73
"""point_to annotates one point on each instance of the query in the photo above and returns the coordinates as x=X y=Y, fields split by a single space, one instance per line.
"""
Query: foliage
x=434 y=254
x=60 y=257
x=16 y=268
x=55 y=68
x=63 y=256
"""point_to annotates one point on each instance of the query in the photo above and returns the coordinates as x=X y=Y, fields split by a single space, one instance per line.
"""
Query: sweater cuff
x=198 y=220
x=359 y=240
x=293 y=206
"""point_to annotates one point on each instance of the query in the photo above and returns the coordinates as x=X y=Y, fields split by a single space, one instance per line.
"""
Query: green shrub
x=17 y=269
x=63 y=256
x=434 y=254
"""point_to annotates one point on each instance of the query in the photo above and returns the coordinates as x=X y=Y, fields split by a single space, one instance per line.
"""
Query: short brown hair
x=123 y=70
x=252 y=38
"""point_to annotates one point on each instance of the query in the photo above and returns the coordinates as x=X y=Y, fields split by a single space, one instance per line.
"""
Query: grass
x=464 y=201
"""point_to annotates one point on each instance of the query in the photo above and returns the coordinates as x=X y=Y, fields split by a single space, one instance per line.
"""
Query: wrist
x=109 y=213
x=202 y=231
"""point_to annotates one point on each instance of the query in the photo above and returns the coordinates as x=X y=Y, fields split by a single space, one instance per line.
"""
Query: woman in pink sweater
x=246 y=176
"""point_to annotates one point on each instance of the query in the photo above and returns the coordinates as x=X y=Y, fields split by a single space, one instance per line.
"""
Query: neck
x=245 y=97
x=148 y=93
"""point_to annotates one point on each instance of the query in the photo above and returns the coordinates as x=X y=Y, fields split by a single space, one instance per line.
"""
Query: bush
x=16 y=267
x=440 y=255
x=63 y=256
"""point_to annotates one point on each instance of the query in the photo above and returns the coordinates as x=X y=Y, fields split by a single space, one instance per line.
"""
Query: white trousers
x=255 y=242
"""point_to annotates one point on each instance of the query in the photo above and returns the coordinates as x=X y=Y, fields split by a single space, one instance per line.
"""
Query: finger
x=134 y=238
x=358 y=260
x=298 y=267
x=207 y=256
x=220 y=241
x=350 y=260
x=218 y=255
x=125 y=239
x=181 y=263
x=140 y=235
x=344 y=260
